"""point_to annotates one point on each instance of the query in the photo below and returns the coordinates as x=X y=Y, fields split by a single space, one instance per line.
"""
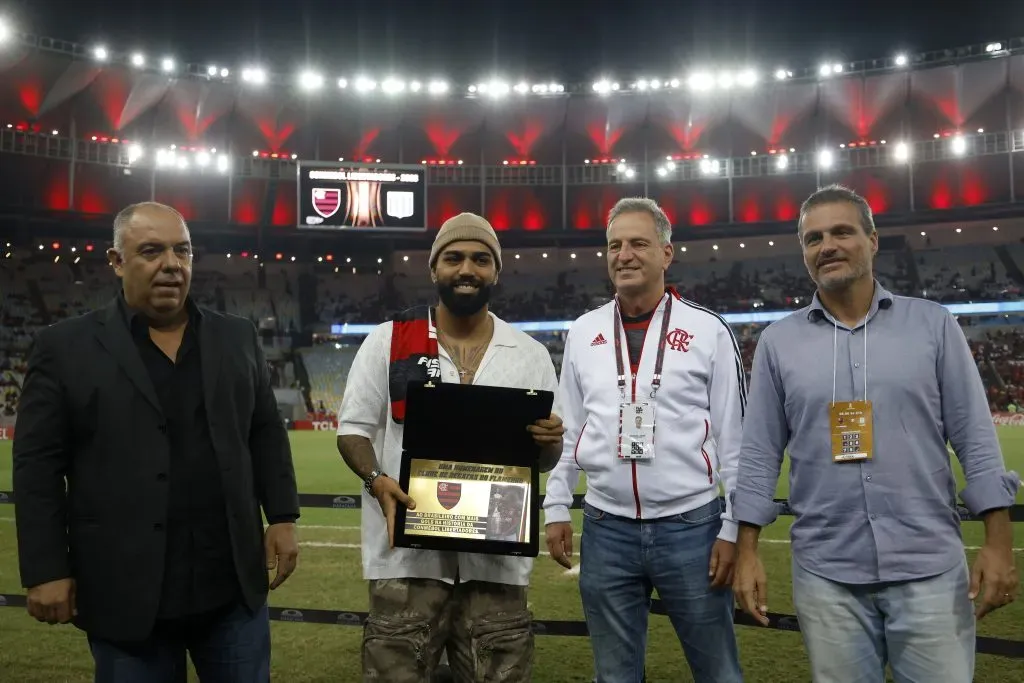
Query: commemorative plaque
x=471 y=466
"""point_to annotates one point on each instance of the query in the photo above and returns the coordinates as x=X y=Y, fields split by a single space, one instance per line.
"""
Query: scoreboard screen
x=350 y=196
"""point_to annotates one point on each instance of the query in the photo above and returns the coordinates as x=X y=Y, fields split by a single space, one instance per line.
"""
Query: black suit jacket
x=89 y=415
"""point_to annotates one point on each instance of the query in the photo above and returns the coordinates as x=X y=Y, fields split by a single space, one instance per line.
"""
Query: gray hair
x=662 y=225
x=124 y=217
x=836 y=194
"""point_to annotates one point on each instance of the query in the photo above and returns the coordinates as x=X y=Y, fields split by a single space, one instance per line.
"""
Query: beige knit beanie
x=466 y=226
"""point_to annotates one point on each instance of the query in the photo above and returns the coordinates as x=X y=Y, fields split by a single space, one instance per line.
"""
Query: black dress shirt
x=199 y=574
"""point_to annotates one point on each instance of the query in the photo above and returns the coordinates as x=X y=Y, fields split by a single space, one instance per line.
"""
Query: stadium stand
x=39 y=288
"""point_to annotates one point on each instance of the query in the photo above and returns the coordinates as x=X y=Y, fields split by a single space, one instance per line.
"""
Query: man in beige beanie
x=423 y=602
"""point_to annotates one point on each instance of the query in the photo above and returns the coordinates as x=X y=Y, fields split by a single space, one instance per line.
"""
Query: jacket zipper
x=640 y=360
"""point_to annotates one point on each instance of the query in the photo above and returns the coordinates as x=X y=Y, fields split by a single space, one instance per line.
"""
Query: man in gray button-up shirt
x=879 y=572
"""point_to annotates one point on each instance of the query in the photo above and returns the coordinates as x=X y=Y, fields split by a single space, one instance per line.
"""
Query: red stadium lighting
x=330 y=257
x=279 y=256
x=245 y=254
x=88 y=247
x=55 y=245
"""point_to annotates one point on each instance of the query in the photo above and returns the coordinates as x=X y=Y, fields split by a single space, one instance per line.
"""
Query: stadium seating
x=37 y=288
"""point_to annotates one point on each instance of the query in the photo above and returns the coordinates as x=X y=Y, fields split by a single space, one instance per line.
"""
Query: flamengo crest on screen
x=449 y=493
x=326 y=201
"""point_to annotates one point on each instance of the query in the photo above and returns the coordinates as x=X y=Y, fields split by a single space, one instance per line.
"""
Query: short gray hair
x=662 y=225
x=838 y=194
x=124 y=217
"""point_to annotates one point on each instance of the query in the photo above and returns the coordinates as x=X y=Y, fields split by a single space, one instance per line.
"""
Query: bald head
x=152 y=254
x=123 y=220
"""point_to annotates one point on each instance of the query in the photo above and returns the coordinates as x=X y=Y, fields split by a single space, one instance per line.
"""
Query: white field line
x=330 y=527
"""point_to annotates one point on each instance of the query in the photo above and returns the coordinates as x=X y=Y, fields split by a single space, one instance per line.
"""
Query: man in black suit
x=148 y=441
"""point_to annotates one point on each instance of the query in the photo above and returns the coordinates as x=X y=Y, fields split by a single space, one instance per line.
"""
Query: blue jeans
x=232 y=647
x=924 y=630
x=622 y=560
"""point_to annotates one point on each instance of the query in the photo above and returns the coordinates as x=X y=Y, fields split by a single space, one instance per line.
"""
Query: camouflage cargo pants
x=484 y=626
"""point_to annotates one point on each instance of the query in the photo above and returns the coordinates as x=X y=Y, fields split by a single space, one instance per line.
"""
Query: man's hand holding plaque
x=390 y=495
x=547 y=433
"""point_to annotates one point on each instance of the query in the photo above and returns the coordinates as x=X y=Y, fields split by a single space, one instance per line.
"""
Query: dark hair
x=834 y=194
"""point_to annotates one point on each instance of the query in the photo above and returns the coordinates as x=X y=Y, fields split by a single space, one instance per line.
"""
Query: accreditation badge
x=636 y=431
x=851 y=430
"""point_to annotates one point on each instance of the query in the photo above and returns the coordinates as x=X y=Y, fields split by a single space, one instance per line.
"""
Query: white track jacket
x=699 y=417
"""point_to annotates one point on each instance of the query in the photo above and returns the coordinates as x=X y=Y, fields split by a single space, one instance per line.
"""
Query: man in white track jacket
x=652 y=516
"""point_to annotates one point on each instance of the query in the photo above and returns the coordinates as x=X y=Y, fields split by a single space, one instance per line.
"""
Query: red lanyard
x=656 y=382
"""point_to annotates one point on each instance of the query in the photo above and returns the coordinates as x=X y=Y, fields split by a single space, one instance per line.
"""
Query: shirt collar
x=881 y=300
x=504 y=334
x=136 y=321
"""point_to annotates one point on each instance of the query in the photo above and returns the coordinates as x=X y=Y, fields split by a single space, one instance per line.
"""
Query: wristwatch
x=370 y=478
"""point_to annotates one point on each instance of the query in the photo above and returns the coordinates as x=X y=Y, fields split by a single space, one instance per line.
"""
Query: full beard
x=464 y=305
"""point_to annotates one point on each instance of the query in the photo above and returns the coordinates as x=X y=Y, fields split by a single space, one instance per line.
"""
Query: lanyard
x=621 y=371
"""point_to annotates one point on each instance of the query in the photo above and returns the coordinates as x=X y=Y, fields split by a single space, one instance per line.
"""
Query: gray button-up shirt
x=892 y=518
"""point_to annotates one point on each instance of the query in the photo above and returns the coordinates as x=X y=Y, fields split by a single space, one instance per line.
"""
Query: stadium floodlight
x=747 y=78
x=621 y=168
x=392 y=86
x=642 y=84
x=138 y=60
x=203 y=159
x=134 y=153
x=603 y=87
x=630 y=173
x=993 y=47
x=540 y=89
x=100 y=53
x=901 y=152
x=415 y=86
x=167 y=65
x=674 y=83
x=901 y=60
x=224 y=73
x=782 y=74
x=165 y=157
x=223 y=163
x=655 y=84
x=825 y=158
x=5 y=30
x=311 y=80
x=496 y=88
x=364 y=84
x=726 y=80
x=710 y=166
x=437 y=87
x=522 y=88
x=211 y=71
x=958 y=145
x=700 y=81
x=342 y=83
x=254 y=75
